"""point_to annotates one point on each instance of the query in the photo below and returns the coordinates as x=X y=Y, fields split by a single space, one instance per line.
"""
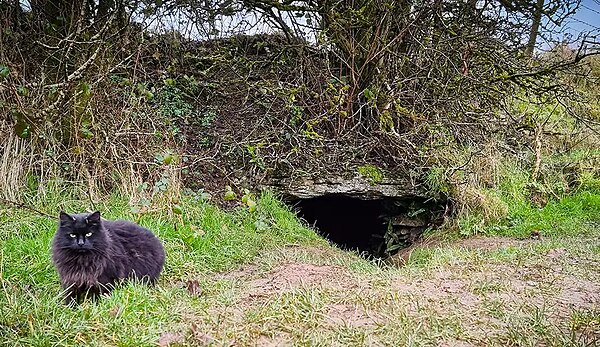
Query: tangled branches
x=97 y=85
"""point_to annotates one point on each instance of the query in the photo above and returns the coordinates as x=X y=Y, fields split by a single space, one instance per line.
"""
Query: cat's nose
x=80 y=242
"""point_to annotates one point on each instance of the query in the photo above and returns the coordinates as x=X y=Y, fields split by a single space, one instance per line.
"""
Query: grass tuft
x=247 y=294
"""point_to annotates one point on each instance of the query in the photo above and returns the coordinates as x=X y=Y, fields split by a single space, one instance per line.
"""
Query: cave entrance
x=376 y=228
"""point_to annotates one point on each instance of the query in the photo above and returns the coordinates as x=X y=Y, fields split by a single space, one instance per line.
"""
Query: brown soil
x=170 y=339
x=348 y=315
x=289 y=276
x=489 y=243
x=465 y=289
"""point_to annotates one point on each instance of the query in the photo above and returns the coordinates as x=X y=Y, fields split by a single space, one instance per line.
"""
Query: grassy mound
x=257 y=277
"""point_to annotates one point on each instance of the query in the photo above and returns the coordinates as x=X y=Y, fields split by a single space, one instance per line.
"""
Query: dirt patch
x=455 y=343
x=347 y=315
x=482 y=297
x=557 y=253
x=289 y=276
x=294 y=256
x=243 y=272
x=274 y=341
x=437 y=291
x=538 y=285
x=579 y=293
x=489 y=243
x=168 y=339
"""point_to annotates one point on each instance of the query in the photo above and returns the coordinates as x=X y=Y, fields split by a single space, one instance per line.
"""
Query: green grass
x=205 y=241
x=509 y=295
x=569 y=215
x=564 y=213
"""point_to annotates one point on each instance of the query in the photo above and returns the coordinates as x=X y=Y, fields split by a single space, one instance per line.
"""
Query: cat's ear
x=93 y=218
x=65 y=218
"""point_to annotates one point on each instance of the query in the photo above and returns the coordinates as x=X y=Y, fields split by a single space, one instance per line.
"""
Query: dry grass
x=14 y=162
x=470 y=297
x=118 y=148
x=228 y=282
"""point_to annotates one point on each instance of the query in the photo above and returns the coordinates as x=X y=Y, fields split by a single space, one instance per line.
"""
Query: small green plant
x=255 y=157
x=177 y=209
x=229 y=194
x=161 y=185
x=372 y=173
x=437 y=180
x=207 y=119
x=160 y=191
x=165 y=157
x=197 y=196
x=172 y=102
x=4 y=71
x=141 y=90
x=249 y=200
x=22 y=127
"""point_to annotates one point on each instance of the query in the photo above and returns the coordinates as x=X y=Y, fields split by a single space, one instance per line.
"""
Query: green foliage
x=437 y=180
x=371 y=172
x=22 y=90
x=566 y=216
x=165 y=157
x=22 y=128
x=561 y=216
x=249 y=200
x=4 y=71
x=254 y=151
x=162 y=184
x=229 y=194
x=204 y=242
x=172 y=102
x=207 y=119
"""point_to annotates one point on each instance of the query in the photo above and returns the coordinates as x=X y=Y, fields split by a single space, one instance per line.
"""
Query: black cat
x=92 y=255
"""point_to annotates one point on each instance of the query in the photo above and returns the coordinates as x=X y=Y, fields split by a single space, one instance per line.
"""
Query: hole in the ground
x=375 y=228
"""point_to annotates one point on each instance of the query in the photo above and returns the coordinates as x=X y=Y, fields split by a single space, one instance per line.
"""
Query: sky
x=586 y=19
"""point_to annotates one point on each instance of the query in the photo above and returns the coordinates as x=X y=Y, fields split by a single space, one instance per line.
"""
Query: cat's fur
x=92 y=254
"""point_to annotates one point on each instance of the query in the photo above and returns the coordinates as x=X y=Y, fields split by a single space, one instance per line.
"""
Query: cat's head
x=81 y=232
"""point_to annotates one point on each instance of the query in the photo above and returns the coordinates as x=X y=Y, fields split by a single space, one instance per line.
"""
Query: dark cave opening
x=376 y=228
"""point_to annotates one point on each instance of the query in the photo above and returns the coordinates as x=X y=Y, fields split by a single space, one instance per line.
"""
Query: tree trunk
x=535 y=26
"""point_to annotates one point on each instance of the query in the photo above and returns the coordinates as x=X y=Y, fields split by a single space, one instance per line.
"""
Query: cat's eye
x=88 y=234
x=72 y=235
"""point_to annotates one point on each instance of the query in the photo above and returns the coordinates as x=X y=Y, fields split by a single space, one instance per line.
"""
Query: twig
x=538 y=152
x=25 y=207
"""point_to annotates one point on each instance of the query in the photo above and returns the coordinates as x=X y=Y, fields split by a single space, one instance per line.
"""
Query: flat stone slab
x=357 y=187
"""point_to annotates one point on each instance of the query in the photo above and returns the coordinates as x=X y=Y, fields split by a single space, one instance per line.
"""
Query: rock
x=404 y=220
x=376 y=218
x=357 y=187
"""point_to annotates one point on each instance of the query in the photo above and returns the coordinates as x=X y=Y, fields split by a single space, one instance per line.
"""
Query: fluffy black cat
x=92 y=255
